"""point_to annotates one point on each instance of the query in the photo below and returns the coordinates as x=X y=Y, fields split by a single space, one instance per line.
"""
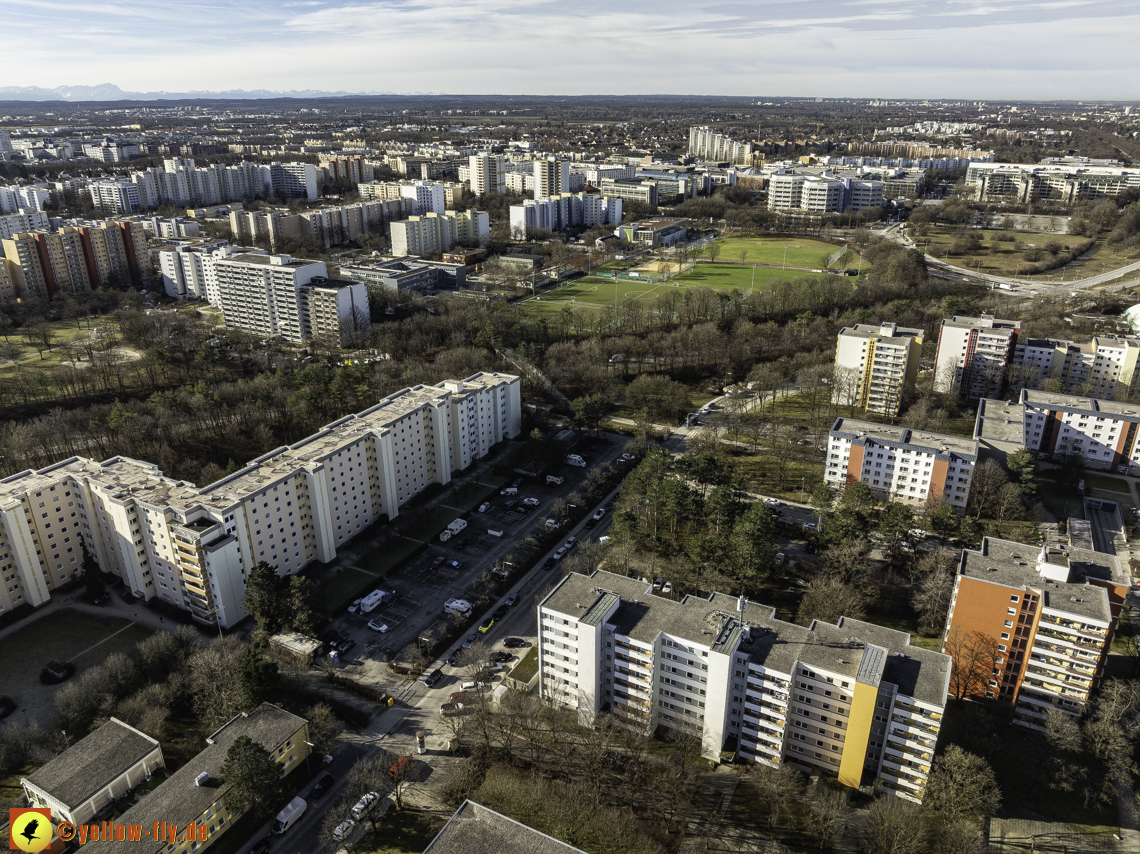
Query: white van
x=374 y=600
x=288 y=816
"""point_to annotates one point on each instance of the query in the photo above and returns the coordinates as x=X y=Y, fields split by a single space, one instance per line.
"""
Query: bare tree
x=830 y=810
x=961 y=785
x=894 y=826
x=973 y=656
x=779 y=787
x=827 y=599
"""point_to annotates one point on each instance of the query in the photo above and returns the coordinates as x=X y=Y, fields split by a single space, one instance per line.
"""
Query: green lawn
x=1005 y=257
x=123 y=642
x=800 y=251
x=594 y=291
x=760 y=473
x=406 y=831
x=1111 y=484
x=57 y=637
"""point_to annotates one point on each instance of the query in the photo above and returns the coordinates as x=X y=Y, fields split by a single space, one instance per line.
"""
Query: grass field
x=1004 y=258
x=594 y=291
x=801 y=251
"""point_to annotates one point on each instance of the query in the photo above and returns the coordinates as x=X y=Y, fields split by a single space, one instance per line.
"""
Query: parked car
x=432 y=679
x=470 y=640
x=485 y=626
x=499 y=612
x=549 y=563
x=558 y=555
x=128 y=597
x=322 y=785
x=454 y=564
x=355 y=606
x=515 y=643
x=262 y=847
x=599 y=514
x=437 y=563
x=453 y=659
x=570 y=542
x=364 y=806
x=629 y=458
x=502 y=657
x=510 y=603
x=771 y=502
x=345 y=646
x=531 y=502
x=449 y=710
x=54 y=672
x=377 y=627
x=485 y=506
x=342 y=830
x=7 y=706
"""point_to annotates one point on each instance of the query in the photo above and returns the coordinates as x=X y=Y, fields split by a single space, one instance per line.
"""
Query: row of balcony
x=1062 y=664
x=1082 y=644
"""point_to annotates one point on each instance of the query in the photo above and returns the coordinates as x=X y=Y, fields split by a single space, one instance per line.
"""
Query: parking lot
x=448 y=569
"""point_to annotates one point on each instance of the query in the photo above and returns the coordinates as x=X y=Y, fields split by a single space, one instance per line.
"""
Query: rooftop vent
x=842 y=661
x=202 y=779
x=1076 y=599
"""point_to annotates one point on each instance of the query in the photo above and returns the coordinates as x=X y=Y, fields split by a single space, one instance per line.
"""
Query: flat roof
x=93 y=762
x=883 y=332
x=919 y=440
x=1000 y=421
x=716 y=623
x=1014 y=565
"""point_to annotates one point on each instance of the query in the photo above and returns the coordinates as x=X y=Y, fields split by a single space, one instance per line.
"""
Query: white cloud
x=937 y=48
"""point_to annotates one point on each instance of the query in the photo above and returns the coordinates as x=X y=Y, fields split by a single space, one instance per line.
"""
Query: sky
x=975 y=49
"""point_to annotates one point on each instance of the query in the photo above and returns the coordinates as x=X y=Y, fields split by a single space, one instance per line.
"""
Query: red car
x=437 y=563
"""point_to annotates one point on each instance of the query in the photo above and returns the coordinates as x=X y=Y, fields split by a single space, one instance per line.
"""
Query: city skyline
x=1022 y=49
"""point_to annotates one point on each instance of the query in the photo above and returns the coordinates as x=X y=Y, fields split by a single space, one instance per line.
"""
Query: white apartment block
x=974 y=355
x=193 y=546
x=487 y=173
x=1029 y=182
x=118 y=196
x=899 y=464
x=519 y=182
x=294 y=179
x=190 y=271
x=14 y=223
x=875 y=366
x=16 y=199
x=1105 y=367
x=334 y=311
x=566 y=210
x=854 y=700
x=1103 y=432
x=706 y=144
x=431 y=233
x=427 y=196
x=261 y=293
x=822 y=193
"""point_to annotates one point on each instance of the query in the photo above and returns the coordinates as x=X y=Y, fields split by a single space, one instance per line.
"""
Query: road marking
x=119 y=632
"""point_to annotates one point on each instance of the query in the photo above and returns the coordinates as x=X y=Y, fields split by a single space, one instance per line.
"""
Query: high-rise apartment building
x=551 y=177
x=25 y=267
x=431 y=233
x=563 y=211
x=45 y=264
x=900 y=464
x=192 y=546
x=348 y=167
x=116 y=195
x=974 y=355
x=427 y=196
x=189 y=269
x=1033 y=627
x=14 y=223
x=488 y=173
x=334 y=312
x=707 y=144
x=1103 y=433
x=261 y=293
x=853 y=700
x=875 y=366
x=981 y=356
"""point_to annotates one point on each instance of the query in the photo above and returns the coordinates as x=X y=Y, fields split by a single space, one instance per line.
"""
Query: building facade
x=707 y=144
x=875 y=366
x=974 y=355
x=487 y=173
x=1028 y=182
x=900 y=464
x=1033 y=628
x=192 y=546
x=1103 y=433
x=853 y=700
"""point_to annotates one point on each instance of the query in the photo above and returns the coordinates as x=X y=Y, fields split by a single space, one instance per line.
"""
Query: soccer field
x=594 y=291
x=801 y=251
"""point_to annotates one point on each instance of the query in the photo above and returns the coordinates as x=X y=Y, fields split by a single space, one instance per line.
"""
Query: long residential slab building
x=193 y=546
x=852 y=700
x=1104 y=433
x=983 y=356
x=900 y=464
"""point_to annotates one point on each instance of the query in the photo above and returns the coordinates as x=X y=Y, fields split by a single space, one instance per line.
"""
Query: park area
x=1005 y=252
x=791 y=250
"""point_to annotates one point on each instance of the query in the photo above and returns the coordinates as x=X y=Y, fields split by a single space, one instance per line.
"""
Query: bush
x=1058 y=260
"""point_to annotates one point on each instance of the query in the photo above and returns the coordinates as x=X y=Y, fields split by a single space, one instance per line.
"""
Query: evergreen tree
x=258 y=676
x=254 y=778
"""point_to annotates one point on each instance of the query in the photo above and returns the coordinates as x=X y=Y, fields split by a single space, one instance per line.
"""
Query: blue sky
x=987 y=49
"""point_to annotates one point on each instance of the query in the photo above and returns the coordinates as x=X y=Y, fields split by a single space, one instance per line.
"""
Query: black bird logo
x=29 y=831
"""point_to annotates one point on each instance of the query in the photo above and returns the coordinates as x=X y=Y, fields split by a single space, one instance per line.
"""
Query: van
x=494 y=533
x=288 y=816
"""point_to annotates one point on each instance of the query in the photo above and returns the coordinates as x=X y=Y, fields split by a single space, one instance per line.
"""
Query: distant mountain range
x=111 y=92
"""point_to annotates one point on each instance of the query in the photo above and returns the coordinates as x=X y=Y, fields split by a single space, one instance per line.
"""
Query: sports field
x=594 y=291
x=801 y=251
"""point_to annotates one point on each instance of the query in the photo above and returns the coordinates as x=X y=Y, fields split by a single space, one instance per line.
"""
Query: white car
x=552 y=523
x=600 y=514
x=343 y=830
x=355 y=606
x=570 y=543
x=559 y=554
x=485 y=506
x=377 y=627
x=364 y=805
x=530 y=502
x=771 y=502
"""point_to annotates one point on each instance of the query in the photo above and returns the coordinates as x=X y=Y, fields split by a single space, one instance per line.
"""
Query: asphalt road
x=416 y=706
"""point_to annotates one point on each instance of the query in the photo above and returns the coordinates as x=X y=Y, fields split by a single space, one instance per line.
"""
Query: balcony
x=914 y=725
x=904 y=768
x=1080 y=644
